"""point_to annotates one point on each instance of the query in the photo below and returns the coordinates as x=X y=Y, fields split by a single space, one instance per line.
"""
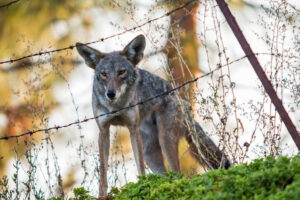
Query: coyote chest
x=121 y=118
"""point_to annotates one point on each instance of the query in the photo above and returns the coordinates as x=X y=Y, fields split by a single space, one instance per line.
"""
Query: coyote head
x=115 y=72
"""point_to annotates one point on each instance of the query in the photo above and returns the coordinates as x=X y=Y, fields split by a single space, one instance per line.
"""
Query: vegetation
x=188 y=42
x=79 y=193
x=261 y=179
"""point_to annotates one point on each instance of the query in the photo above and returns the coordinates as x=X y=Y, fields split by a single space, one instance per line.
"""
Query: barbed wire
x=115 y=111
x=71 y=47
x=219 y=66
x=9 y=4
x=27 y=63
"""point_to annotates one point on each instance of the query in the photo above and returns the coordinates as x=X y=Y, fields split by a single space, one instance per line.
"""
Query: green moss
x=261 y=179
x=266 y=179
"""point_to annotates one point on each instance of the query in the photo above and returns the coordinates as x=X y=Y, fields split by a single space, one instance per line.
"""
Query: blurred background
x=54 y=89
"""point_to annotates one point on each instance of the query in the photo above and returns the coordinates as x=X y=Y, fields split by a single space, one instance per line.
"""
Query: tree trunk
x=182 y=48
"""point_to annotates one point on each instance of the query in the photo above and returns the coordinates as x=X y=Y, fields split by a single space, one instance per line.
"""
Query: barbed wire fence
x=140 y=103
x=218 y=108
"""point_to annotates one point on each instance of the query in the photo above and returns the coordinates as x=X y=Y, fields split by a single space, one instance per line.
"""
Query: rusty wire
x=101 y=39
x=114 y=111
x=9 y=4
x=127 y=107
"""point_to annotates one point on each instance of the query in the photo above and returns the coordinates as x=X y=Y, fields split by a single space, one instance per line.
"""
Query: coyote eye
x=122 y=72
x=103 y=74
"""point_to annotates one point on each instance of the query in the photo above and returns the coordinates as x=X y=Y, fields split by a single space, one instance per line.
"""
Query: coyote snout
x=111 y=94
x=156 y=126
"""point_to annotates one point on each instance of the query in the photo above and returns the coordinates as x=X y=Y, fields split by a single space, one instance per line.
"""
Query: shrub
x=261 y=179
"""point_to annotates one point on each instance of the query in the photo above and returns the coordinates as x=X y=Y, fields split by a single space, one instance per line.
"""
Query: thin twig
x=259 y=72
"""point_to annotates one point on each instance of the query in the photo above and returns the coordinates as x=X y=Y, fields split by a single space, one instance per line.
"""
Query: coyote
x=156 y=126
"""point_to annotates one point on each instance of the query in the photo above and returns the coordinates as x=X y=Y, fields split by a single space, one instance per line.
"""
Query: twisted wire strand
x=114 y=111
x=101 y=39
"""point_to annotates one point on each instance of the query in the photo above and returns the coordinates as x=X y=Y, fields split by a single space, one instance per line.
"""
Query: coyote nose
x=111 y=94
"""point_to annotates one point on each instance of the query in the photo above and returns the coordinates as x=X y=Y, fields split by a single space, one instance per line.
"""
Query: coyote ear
x=90 y=55
x=134 y=50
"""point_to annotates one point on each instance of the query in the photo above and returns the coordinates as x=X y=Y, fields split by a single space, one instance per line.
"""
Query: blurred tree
x=183 y=44
x=26 y=86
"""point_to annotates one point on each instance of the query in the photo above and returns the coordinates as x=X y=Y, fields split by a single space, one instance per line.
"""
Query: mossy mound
x=262 y=179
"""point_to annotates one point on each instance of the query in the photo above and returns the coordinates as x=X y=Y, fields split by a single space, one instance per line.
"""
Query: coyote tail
x=204 y=150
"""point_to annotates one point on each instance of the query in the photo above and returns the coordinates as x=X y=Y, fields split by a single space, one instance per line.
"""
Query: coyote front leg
x=103 y=143
x=137 y=147
x=169 y=133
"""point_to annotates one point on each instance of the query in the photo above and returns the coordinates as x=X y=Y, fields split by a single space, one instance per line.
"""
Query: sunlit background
x=54 y=89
